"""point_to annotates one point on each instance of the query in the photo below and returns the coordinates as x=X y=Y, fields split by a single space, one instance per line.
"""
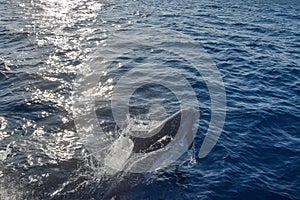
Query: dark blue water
x=46 y=44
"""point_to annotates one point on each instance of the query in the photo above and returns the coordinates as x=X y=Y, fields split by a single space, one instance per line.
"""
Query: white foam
x=119 y=153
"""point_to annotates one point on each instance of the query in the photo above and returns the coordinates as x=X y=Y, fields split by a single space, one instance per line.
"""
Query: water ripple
x=46 y=44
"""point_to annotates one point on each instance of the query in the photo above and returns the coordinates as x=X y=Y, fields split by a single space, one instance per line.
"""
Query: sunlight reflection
x=60 y=27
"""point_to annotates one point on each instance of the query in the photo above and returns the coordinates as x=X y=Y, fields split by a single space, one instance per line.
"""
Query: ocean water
x=48 y=45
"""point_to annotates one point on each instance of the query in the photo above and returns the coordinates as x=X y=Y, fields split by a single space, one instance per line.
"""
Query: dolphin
x=174 y=131
x=165 y=131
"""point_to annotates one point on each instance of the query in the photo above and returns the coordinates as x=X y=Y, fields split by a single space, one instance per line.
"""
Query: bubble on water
x=3 y=123
x=4 y=153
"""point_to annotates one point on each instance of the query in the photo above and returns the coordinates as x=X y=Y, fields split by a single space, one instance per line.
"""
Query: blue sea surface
x=45 y=45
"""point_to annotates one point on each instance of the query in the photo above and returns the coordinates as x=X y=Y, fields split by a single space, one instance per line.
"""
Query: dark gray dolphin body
x=165 y=132
x=180 y=123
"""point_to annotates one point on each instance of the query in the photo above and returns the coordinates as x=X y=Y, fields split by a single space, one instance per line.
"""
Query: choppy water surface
x=46 y=44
